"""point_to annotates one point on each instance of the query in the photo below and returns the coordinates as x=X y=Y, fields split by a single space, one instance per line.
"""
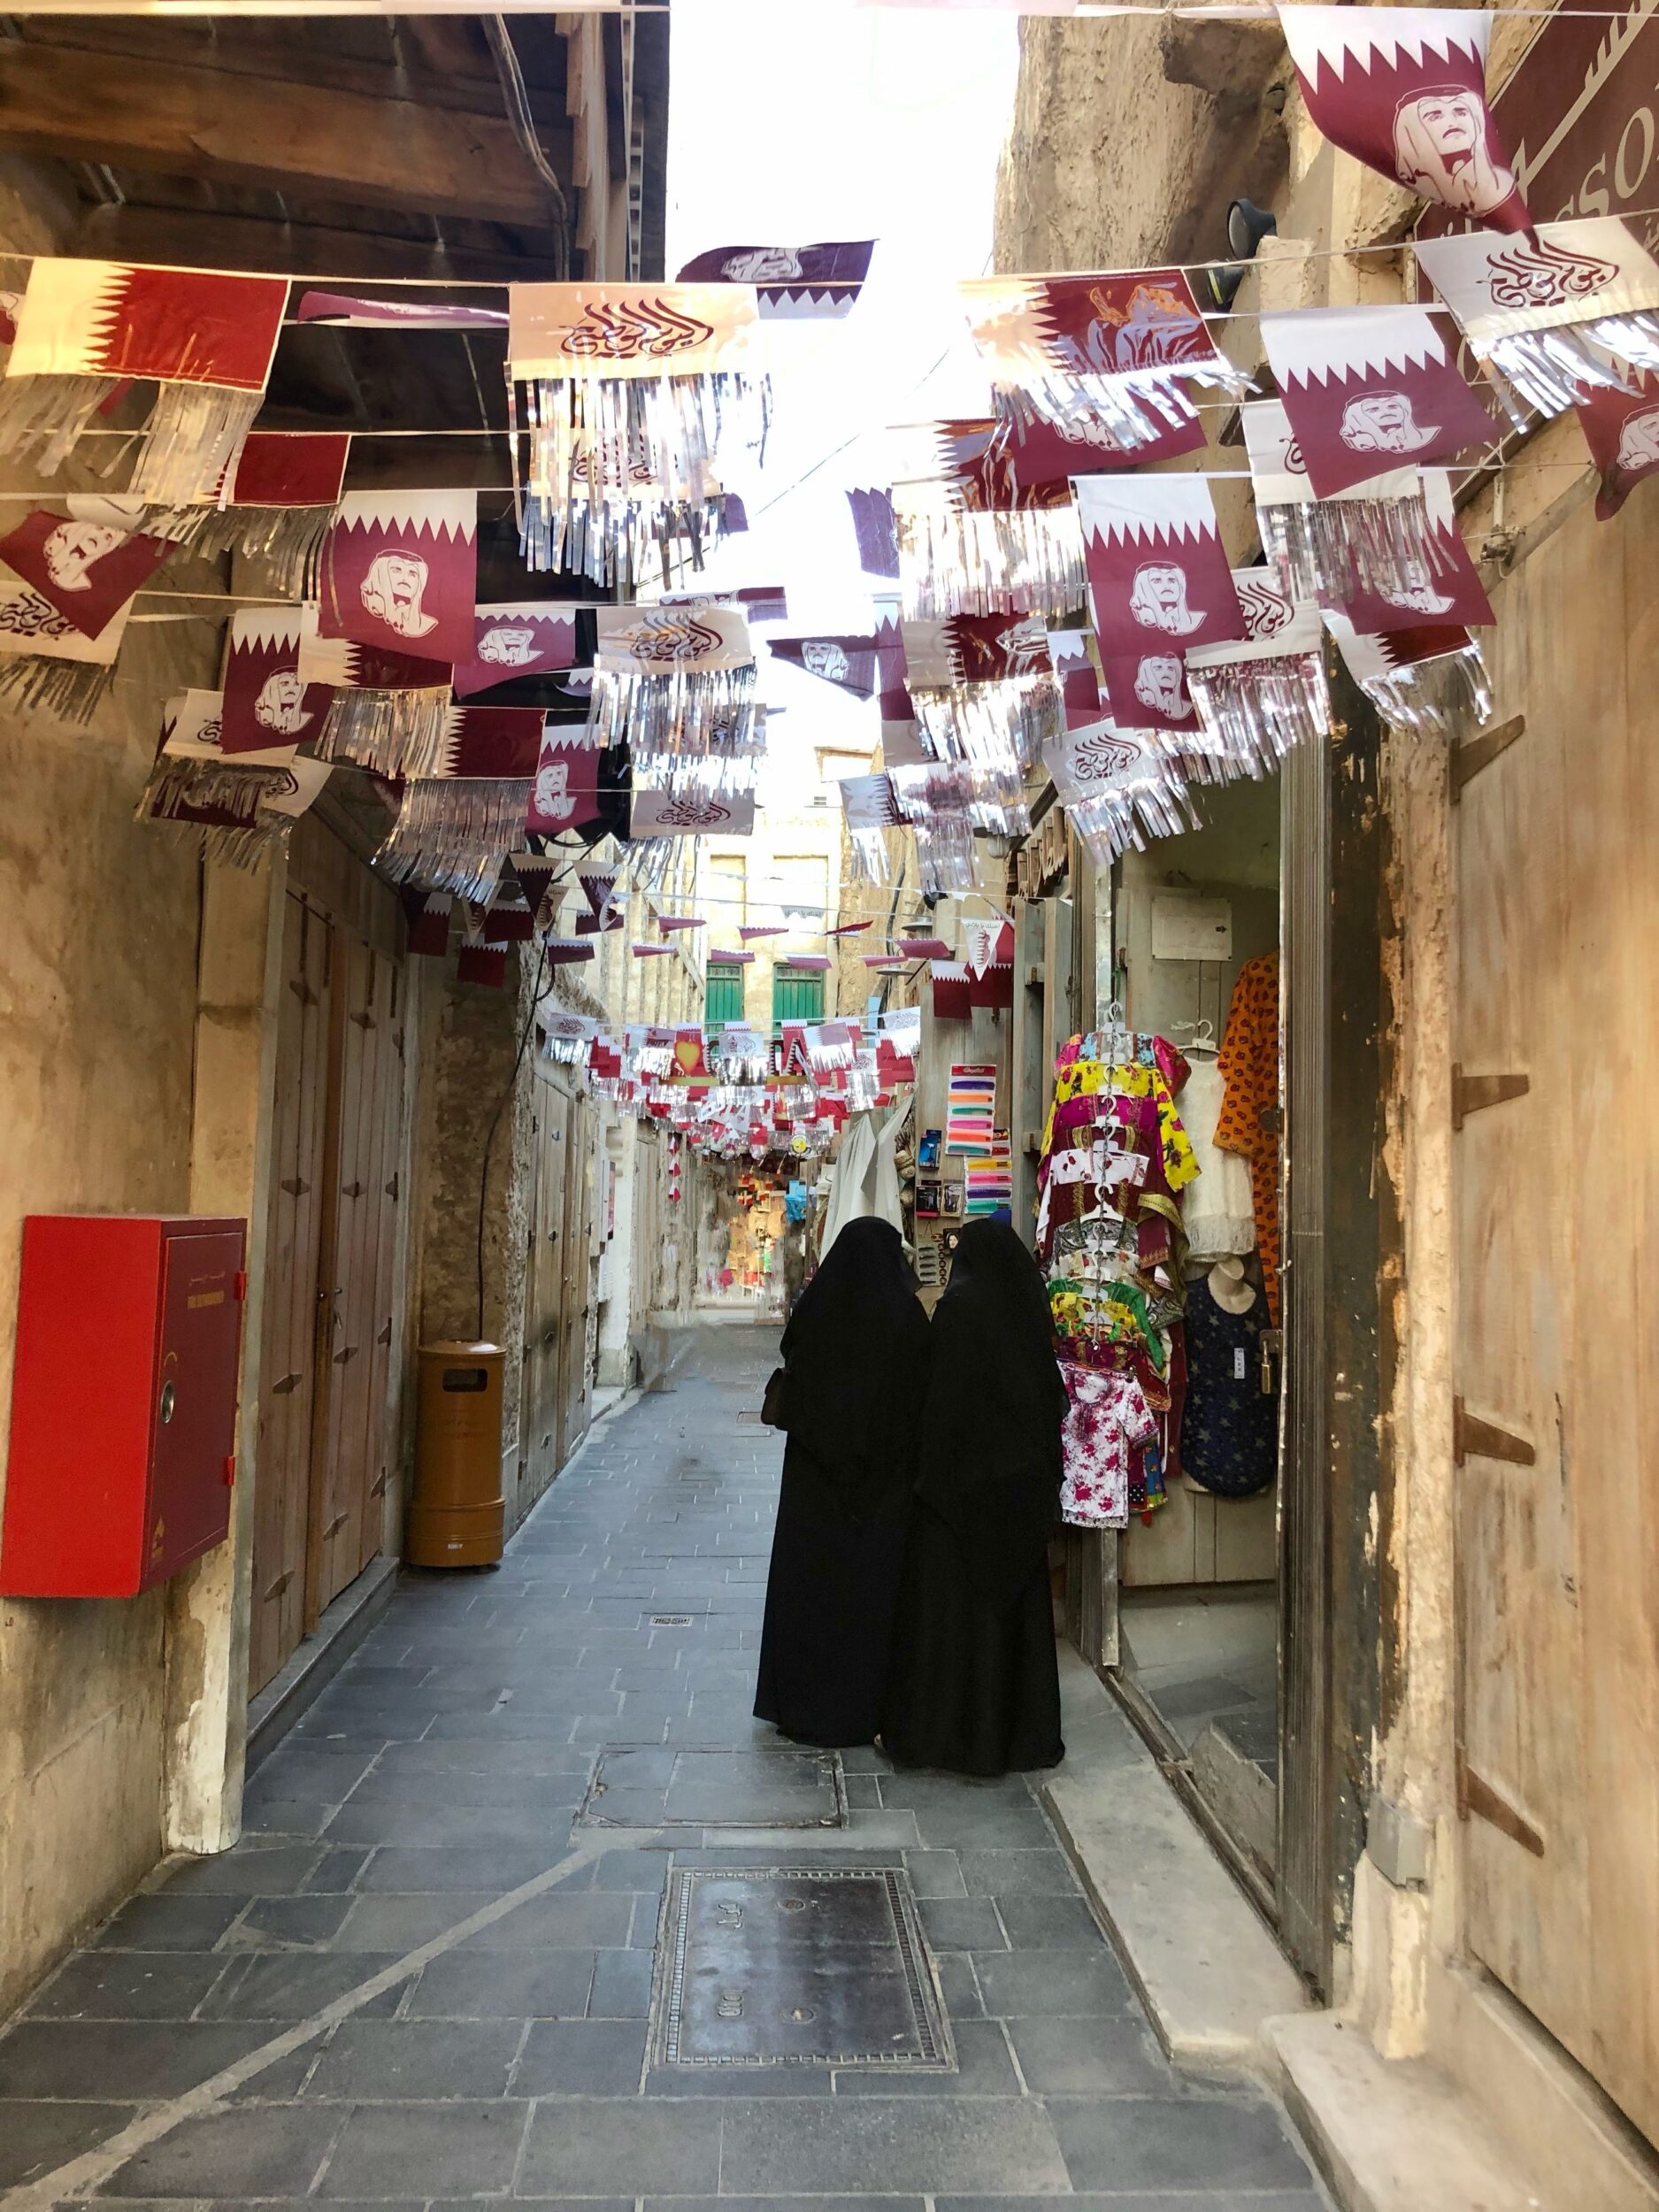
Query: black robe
x=854 y=1368
x=975 y=1683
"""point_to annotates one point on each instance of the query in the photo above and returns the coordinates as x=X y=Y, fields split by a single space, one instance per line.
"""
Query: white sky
x=793 y=121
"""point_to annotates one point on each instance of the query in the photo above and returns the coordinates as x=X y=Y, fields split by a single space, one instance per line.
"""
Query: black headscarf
x=996 y=1405
x=856 y=1365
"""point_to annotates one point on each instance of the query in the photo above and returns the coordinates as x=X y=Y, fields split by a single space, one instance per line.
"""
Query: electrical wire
x=517 y=94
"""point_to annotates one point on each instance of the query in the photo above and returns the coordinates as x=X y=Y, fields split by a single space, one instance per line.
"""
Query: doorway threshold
x=301 y=1680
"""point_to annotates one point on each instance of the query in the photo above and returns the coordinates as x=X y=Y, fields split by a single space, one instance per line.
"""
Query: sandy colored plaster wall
x=98 y=1009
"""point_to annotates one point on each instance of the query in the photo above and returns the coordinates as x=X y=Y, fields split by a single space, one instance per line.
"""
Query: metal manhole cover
x=797 y=1966
x=662 y=1787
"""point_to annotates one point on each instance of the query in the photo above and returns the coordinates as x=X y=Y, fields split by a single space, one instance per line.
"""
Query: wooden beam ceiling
x=207 y=239
x=187 y=121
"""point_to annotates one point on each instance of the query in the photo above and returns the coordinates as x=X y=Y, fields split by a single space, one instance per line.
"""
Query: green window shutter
x=796 y=997
x=723 y=997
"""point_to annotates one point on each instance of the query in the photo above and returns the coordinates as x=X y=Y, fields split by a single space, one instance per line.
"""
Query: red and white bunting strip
x=517 y=638
x=792 y=283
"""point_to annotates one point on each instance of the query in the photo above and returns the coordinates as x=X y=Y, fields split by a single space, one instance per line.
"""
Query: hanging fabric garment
x=1249 y=1067
x=1218 y=1208
x=855 y=1367
x=1230 y=1438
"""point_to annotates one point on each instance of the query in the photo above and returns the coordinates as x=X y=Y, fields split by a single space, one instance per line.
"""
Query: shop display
x=1248 y=1124
x=1230 y=1422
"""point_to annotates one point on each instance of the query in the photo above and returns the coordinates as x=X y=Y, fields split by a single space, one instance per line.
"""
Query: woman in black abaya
x=975 y=1685
x=854 y=1368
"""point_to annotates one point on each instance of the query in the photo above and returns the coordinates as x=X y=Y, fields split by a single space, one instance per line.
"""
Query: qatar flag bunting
x=599 y=886
x=1075 y=655
x=267 y=701
x=1158 y=577
x=625 y=393
x=792 y=283
x=951 y=1002
x=1621 y=431
x=600 y=925
x=876 y=530
x=510 y=925
x=1257 y=699
x=1373 y=539
x=650 y=952
x=481 y=743
x=565 y=795
x=1370 y=388
x=1430 y=682
x=274 y=503
x=567 y=952
x=517 y=638
x=985 y=698
x=848 y=663
x=1037 y=454
x=967 y=546
x=850 y=929
x=456 y=824
x=238 y=809
x=537 y=876
x=351 y=311
x=871 y=809
x=485 y=965
x=664 y=814
x=750 y=931
x=1444 y=587
x=669 y=923
x=390 y=711
x=1544 y=313
x=46 y=662
x=568 y=1038
x=1119 y=787
x=722 y=955
x=87 y=571
x=1404 y=90
x=819 y=962
x=86 y=327
x=426 y=918
x=677 y=685
x=1116 y=352
x=400 y=570
x=988 y=942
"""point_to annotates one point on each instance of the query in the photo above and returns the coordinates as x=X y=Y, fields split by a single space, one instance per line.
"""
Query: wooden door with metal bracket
x=539 y=1442
x=1556 y=1507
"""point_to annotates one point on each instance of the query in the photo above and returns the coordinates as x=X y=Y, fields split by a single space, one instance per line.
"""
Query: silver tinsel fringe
x=1444 y=697
x=867 y=859
x=1550 y=368
x=648 y=861
x=619 y=465
x=964 y=562
x=192 y=437
x=1255 y=711
x=72 y=690
x=395 y=732
x=1131 y=407
x=286 y=540
x=944 y=855
x=1003 y=725
x=175 y=784
x=1331 y=549
x=1158 y=806
x=453 y=834
x=932 y=791
x=48 y=412
x=692 y=731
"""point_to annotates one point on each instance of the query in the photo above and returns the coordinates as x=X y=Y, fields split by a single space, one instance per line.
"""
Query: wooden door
x=539 y=1417
x=293 y=1249
x=574 y=1276
x=1556 y=1501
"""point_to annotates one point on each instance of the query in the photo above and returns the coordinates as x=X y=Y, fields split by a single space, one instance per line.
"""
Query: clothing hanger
x=1203 y=1038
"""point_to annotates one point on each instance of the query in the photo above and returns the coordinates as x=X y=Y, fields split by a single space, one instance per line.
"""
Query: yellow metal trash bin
x=457 y=1515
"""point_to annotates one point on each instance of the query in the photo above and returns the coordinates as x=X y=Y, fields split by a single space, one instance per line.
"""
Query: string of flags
x=1053 y=600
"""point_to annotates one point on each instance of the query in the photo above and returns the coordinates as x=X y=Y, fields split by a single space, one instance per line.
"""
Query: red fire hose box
x=123 y=1401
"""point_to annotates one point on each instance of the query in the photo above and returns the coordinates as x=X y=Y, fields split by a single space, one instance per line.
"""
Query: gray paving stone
x=124 y=2059
x=936 y=1873
x=492 y=1868
x=1108 y=2057
x=295 y=1985
x=1018 y=1984
x=36 y=2139
x=503 y=1985
x=413 y=2150
x=163 y=1921
x=402 y=1924
x=589 y=1921
x=1048 y=1924
x=1222 y=2143
x=274 y=1923
x=985 y=2068
x=580 y=2146
x=622 y=1985
x=249 y=2151
x=1141 y=2200
x=254 y=1868
x=1017 y=1873
x=888 y=2144
x=581 y=2058
x=961 y=1924
x=371 y=2060
x=129 y=1985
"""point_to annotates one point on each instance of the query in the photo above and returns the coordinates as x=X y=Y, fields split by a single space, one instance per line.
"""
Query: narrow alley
x=426 y=1973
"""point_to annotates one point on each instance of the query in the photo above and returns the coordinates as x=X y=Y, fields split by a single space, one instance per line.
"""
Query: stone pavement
x=416 y=1981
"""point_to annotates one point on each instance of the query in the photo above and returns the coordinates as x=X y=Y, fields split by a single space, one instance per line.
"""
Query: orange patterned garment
x=1249 y=1067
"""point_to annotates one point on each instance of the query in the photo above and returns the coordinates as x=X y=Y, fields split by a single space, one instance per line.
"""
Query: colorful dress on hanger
x=1249 y=1067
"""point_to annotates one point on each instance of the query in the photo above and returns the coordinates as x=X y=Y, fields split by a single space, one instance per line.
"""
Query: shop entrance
x=741 y=1228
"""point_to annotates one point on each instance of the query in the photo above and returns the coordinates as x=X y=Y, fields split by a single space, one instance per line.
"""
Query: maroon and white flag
x=1158 y=575
x=346 y=665
x=567 y=792
x=690 y=814
x=750 y=931
x=31 y=625
x=1038 y=453
x=1404 y=90
x=175 y=326
x=282 y=468
x=351 y=311
x=537 y=877
x=400 y=570
x=1443 y=587
x=600 y=925
x=1429 y=680
x=1078 y=675
x=796 y=283
x=659 y=641
x=669 y=923
x=1621 y=431
x=637 y=331
x=849 y=663
x=1546 y=312
x=490 y=743
x=868 y=803
x=266 y=700
x=974 y=648
x=89 y=571
x=876 y=530
x=599 y=886
x=1369 y=388
x=535 y=637
x=1115 y=350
